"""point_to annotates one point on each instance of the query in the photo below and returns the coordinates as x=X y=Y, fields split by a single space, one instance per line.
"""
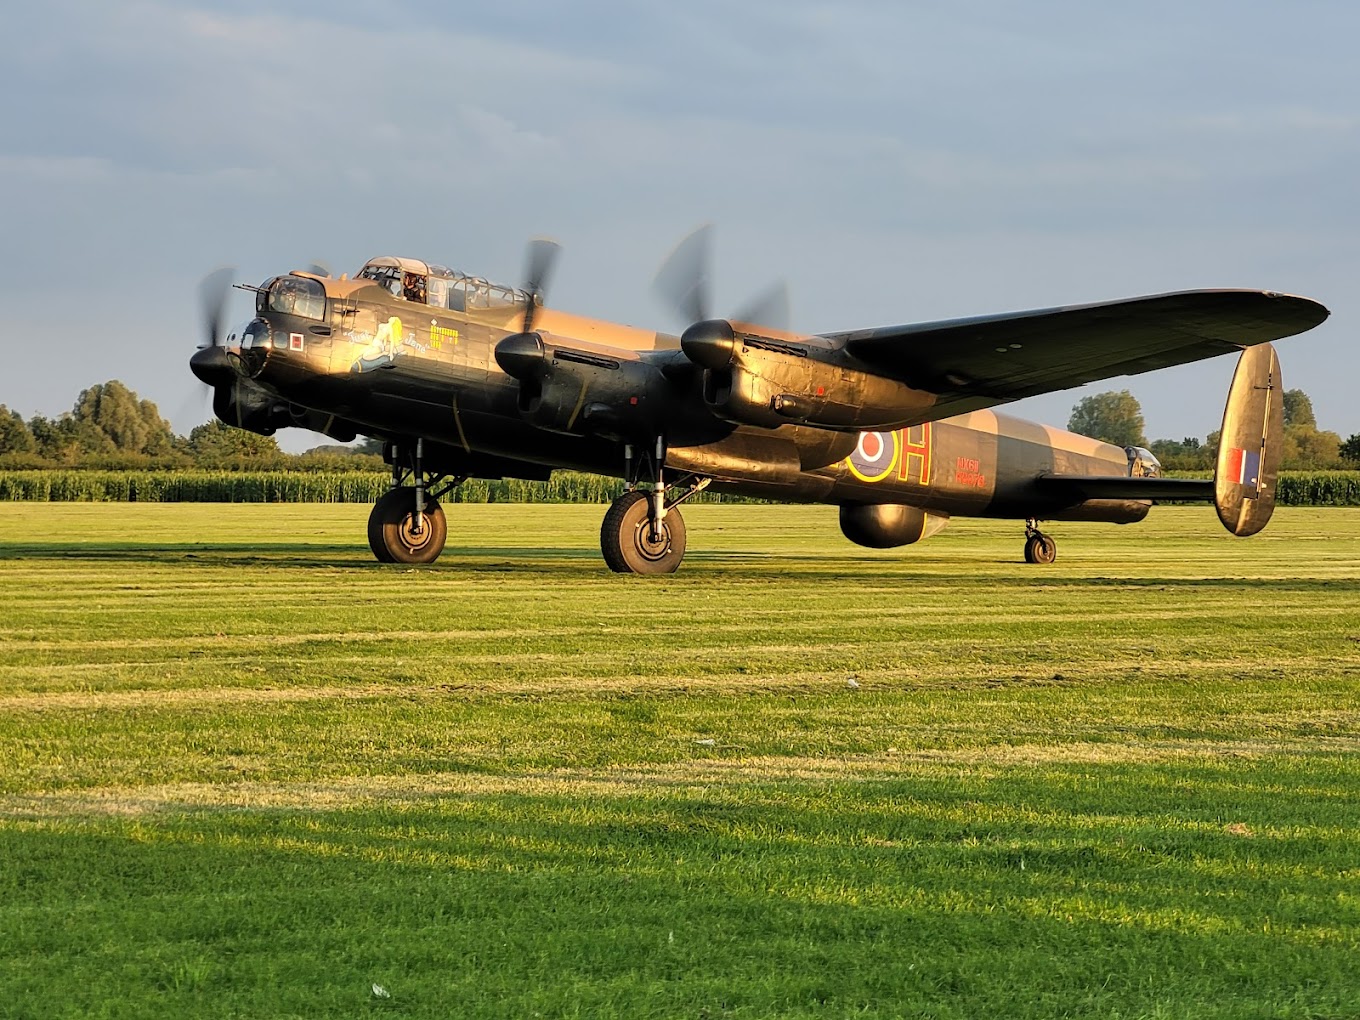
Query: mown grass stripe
x=246 y=771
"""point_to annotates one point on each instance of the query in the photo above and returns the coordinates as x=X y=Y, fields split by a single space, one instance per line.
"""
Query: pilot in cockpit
x=413 y=287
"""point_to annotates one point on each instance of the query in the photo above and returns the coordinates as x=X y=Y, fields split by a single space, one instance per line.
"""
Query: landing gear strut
x=1039 y=548
x=642 y=532
x=407 y=523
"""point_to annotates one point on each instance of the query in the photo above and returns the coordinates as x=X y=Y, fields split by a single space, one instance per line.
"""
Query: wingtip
x=1304 y=310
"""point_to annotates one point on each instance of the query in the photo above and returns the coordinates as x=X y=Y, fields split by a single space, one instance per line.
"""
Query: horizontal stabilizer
x=1080 y=487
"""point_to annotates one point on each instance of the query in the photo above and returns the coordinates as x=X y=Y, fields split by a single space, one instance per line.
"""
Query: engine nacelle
x=567 y=389
x=251 y=407
x=759 y=380
x=888 y=525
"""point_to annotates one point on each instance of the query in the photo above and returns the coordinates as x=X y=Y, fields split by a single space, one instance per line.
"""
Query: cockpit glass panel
x=447 y=289
x=387 y=277
x=484 y=295
x=437 y=293
x=296 y=295
x=442 y=287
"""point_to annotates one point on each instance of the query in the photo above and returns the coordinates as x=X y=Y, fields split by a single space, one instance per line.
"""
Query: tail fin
x=1250 y=443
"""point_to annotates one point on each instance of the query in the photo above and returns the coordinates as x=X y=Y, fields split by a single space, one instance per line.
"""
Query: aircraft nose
x=256 y=341
x=212 y=365
x=710 y=344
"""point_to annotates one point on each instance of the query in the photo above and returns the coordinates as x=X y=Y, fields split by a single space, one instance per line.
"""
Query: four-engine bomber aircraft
x=464 y=378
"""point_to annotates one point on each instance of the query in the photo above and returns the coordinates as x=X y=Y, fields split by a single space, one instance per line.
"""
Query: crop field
x=245 y=771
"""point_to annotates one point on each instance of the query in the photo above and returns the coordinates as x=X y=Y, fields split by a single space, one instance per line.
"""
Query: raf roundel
x=875 y=456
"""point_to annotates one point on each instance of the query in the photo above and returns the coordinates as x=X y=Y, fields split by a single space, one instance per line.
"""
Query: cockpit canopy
x=439 y=286
x=293 y=295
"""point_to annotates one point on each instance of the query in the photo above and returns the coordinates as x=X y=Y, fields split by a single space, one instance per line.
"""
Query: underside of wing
x=989 y=360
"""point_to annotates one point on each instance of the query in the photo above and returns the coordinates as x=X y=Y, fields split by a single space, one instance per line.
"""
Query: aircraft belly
x=487 y=432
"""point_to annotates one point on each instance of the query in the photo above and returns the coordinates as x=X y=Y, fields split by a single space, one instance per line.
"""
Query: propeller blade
x=212 y=294
x=769 y=309
x=683 y=279
x=538 y=267
x=196 y=405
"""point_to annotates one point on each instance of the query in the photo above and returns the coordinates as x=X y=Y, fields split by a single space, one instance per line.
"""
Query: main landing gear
x=1039 y=548
x=643 y=532
x=407 y=523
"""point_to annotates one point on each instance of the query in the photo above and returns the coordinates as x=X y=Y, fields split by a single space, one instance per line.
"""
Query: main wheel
x=626 y=537
x=1040 y=548
x=392 y=533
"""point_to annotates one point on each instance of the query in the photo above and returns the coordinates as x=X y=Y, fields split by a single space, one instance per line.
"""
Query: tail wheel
x=392 y=532
x=627 y=541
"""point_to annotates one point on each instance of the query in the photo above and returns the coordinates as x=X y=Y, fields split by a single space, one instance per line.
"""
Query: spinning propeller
x=521 y=354
x=683 y=281
x=212 y=296
x=538 y=269
x=210 y=362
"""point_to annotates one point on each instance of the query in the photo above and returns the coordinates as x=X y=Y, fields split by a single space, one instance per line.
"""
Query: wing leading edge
x=981 y=362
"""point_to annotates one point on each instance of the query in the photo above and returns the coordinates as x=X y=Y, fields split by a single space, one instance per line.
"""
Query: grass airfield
x=245 y=771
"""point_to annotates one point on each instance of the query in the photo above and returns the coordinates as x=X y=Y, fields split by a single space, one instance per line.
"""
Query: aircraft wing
x=989 y=360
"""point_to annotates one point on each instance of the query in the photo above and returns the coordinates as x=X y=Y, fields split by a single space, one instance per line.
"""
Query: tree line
x=1116 y=417
x=111 y=427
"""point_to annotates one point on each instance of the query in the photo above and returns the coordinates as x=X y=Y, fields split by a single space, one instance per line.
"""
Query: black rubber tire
x=375 y=530
x=1040 y=549
x=390 y=524
x=625 y=542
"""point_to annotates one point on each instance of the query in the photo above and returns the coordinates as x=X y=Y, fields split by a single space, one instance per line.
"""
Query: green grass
x=247 y=772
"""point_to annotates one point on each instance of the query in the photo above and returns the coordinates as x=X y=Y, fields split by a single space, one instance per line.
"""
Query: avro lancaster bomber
x=897 y=426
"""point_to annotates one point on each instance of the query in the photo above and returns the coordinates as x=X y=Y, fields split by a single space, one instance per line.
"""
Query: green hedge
x=1297 y=488
x=1319 y=488
x=1307 y=488
x=189 y=486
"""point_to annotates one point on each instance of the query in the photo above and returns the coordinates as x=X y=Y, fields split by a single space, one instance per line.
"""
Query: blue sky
x=893 y=162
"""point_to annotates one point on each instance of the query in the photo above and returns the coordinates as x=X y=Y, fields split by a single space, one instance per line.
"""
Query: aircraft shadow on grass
x=581 y=563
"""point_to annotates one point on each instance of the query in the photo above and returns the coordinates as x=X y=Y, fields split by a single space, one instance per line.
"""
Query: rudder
x=1250 y=443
